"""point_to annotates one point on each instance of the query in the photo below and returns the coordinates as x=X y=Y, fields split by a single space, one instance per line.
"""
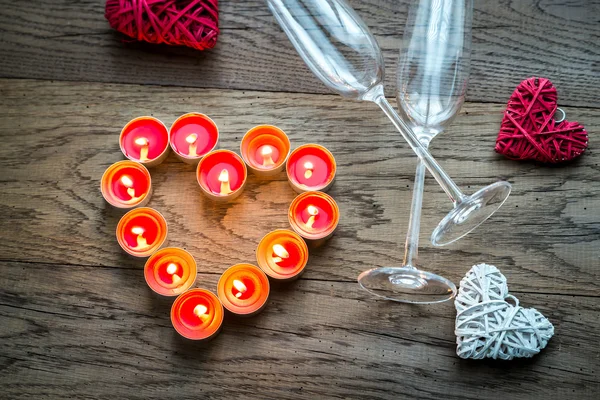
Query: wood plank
x=65 y=337
x=512 y=40
x=59 y=137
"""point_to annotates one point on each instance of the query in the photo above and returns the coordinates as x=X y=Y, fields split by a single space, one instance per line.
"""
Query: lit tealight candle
x=282 y=254
x=197 y=314
x=145 y=140
x=193 y=135
x=142 y=231
x=314 y=215
x=243 y=289
x=222 y=175
x=311 y=167
x=126 y=184
x=170 y=271
x=265 y=149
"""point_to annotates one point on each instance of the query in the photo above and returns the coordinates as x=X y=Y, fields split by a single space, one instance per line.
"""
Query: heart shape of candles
x=529 y=130
x=282 y=255
x=490 y=323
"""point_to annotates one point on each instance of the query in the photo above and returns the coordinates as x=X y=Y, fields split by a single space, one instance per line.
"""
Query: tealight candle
x=170 y=271
x=243 y=289
x=192 y=136
x=265 y=149
x=145 y=140
x=282 y=254
x=314 y=215
x=197 y=314
x=222 y=175
x=126 y=184
x=142 y=231
x=311 y=167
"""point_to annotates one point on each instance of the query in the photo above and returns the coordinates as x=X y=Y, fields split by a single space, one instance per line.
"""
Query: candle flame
x=172 y=268
x=224 y=179
x=280 y=252
x=267 y=152
x=142 y=243
x=241 y=288
x=128 y=183
x=200 y=310
x=191 y=139
x=312 y=211
x=143 y=142
x=309 y=169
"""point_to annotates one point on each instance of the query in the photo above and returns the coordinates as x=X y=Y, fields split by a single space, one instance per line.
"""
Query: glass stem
x=436 y=170
x=411 y=247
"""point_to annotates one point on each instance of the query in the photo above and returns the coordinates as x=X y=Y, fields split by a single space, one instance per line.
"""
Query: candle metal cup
x=265 y=149
x=126 y=184
x=314 y=216
x=142 y=231
x=282 y=255
x=222 y=175
x=192 y=136
x=145 y=140
x=197 y=314
x=243 y=289
x=311 y=167
x=170 y=271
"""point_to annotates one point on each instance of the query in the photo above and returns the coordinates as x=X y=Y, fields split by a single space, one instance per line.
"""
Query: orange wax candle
x=314 y=215
x=192 y=136
x=126 y=184
x=142 y=231
x=311 y=167
x=145 y=140
x=265 y=149
x=222 y=175
x=282 y=254
x=243 y=289
x=197 y=314
x=170 y=271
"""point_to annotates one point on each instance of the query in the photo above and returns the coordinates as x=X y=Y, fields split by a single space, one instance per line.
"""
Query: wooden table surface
x=76 y=317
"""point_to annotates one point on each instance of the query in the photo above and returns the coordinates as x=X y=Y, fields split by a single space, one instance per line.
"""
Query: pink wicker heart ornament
x=529 y=130
x=192 y=23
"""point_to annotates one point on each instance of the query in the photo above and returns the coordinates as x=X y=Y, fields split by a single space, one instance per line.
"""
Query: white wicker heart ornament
x=488 y=326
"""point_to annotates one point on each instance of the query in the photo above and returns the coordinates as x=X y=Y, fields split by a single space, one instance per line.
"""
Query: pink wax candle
x=145 y=140
x=311 y=167
x=222 y=175
x=192 y=136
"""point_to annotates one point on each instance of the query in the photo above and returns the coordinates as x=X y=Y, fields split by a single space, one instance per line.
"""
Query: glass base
x=407 y=285
x=470 y=213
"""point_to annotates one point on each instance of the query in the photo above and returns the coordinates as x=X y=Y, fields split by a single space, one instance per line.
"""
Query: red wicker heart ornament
x=192 y=23
x=529 y=131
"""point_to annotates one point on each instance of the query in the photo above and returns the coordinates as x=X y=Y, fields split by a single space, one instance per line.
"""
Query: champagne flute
x=433 y=71
x=338 y=48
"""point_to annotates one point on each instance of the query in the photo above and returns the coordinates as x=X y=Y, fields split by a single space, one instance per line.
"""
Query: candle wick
x=267 y=153
x=280 y=253
x=142 y=243
x=192 y=148
x=309 y=169
x=225 y=185
x=312 y=211
x=143 y=142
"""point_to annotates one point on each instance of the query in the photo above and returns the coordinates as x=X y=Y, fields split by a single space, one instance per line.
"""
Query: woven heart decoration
x=192 y=23
x=529 y=130
x=488 y=326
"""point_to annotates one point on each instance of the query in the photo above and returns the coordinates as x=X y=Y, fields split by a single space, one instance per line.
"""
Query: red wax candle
x=197 y=314
x=142 y=231
x=265 y=149
x=282 y=254
x=192 y=136
x=145 y=140
x=222 y=175
x=243 y=289
x=311 y=167
x=314 y=215
x=170 y=271
x=126 y=184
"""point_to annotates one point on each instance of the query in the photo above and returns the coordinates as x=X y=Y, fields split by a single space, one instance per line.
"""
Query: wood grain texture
x=76 y=319
x=66 y=338
x=512 y=40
